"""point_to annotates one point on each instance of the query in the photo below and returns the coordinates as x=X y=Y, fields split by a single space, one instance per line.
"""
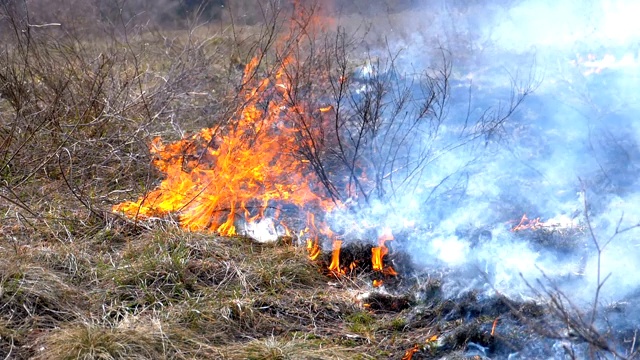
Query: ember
x=409 y=354
x=560 y=222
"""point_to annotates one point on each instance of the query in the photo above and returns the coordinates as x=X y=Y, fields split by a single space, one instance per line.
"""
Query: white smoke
x=579 y=130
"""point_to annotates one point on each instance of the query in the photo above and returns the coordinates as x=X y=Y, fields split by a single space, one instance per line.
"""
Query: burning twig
x=377 y=255
x=408 y=355
x=493 y=327
x=558 y=222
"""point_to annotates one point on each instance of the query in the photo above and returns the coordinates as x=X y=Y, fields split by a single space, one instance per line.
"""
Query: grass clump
x=361 y=322
x=87 y=341
x=145 y=337
x=289 y=348
x=31 y=292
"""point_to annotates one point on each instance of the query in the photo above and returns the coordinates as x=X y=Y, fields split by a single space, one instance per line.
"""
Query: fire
x=213 y=179
x=335 y=257
x=430 y=343
x=313 y=249
x=525 y=224
x=225 y=178
x=558 y=222
x=493 y=327
x=334 y=266
x=408 y=355
x=379 y=252
x=376 y=258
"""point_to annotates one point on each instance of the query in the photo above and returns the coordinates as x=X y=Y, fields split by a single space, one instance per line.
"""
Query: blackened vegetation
x=470 y=324
x=490 y=324
x=357 y=253
x=565 y=241
x=355 y=260
x=379 y=302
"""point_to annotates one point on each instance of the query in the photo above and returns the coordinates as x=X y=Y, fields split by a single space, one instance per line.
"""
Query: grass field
x=79 y=110
x=78 y=281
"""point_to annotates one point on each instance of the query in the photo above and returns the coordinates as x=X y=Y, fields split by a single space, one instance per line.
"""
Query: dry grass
x=167 y=293
x=174 y=294
x=294 y=347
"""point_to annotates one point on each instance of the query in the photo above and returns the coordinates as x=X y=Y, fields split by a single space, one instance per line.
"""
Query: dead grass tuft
x=86 y=341
x=289 y=348
x=33 y=293
x=145 y=337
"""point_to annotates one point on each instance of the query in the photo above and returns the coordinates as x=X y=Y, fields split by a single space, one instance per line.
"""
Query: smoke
x=577 y=131
x=567 y=24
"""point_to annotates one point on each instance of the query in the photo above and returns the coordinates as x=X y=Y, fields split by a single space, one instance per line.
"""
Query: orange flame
x=313 y=248
x=218 y=178
x=525 y=224
x=495 y=324
x=390 y=271
x=559 y=222
x=335 y=258
x=379 y=252
x=408 y=355
x=211 y=178
x=376 y=258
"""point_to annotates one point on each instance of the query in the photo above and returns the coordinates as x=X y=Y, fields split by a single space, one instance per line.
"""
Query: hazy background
x=578 y=130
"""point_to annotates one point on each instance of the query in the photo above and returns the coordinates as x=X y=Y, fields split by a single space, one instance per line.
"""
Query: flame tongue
x=376 y=256
x=335 y=257
x=313 y=248
x=378 y=253
x=526 y=223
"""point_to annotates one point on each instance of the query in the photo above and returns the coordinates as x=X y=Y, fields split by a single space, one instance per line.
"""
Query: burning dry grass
x=77 y=281
x=169 y=293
